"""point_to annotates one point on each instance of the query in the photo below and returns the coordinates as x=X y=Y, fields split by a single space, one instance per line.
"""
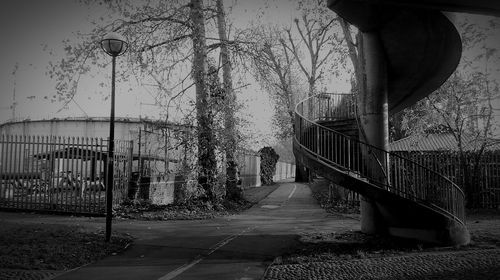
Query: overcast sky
x=26 y=26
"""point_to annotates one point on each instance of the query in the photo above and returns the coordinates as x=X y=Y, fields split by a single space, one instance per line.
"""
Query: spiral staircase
x=413 y=200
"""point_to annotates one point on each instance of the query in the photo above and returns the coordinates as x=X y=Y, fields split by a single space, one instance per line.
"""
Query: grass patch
x=53 y=247
x=195 y=210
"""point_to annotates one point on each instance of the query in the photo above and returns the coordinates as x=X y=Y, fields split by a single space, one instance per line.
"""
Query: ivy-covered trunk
x=233 y=192
x=207 y=164
x=268 y=160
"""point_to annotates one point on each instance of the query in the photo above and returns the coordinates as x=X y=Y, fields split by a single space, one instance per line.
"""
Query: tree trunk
x=206 y=148
x=233 y=192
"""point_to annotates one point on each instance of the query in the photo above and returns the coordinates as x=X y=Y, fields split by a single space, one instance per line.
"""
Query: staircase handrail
x=444 y=196
x=351 y=113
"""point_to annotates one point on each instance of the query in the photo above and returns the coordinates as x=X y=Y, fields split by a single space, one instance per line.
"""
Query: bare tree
x=275 y=69
x=232 y=190
x=462 y=106
x=167 y=57
x=315 y=36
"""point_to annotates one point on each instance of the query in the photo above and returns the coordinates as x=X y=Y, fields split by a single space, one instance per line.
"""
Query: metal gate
x=60 y=174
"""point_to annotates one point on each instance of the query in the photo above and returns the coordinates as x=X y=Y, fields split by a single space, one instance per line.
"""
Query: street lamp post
x=114 y=45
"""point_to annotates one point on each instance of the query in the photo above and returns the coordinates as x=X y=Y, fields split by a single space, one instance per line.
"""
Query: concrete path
x=235 y=247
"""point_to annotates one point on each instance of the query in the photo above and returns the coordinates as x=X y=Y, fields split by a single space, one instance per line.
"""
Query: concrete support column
x=374 y=119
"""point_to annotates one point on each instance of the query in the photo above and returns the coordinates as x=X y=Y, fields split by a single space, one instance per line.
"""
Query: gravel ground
x=478 y=264
x=344 y=259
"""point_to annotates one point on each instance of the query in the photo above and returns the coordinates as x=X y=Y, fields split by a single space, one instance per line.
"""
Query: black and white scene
x=258 y=139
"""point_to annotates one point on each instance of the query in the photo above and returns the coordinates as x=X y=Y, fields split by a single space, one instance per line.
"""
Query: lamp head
x=114 y=44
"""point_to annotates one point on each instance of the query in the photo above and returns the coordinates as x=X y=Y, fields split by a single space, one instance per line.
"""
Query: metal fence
x=484 y=189
x=284 y=170
x=60 y=174
x=249 y=164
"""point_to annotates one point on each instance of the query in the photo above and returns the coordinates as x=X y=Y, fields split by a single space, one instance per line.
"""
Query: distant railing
x=401 y=176
x=329 y=107
x=485 y=192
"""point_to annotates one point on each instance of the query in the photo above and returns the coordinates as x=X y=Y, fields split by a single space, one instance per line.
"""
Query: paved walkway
x=234 y=247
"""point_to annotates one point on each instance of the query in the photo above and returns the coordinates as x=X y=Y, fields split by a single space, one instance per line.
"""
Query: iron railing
x=60 y=174
x=400 y=176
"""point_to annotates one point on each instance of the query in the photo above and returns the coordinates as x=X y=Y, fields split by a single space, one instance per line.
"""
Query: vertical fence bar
x=56 y=173
x=21 y=176
x=101 y=170
x=8 y=166
x=80 y=172
x=4 y=171
x=52 y=166
x=65 y=173
x=93 y=203
x=17 y=169
x=317 y=140
x=91 y=195
x=3 y=188
x=42 y=166
x=13 y=170
x=11 y=148
x=38 y=170
x=75 y=188
x=84 y=173
x=80 y=149
x=95 y=176
x=26 y=176
x=45 y=149
x=331 y=145
x=33 y=175
x=348 y=152
x=103 y=167
x=53 y=171
x=87 y=175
